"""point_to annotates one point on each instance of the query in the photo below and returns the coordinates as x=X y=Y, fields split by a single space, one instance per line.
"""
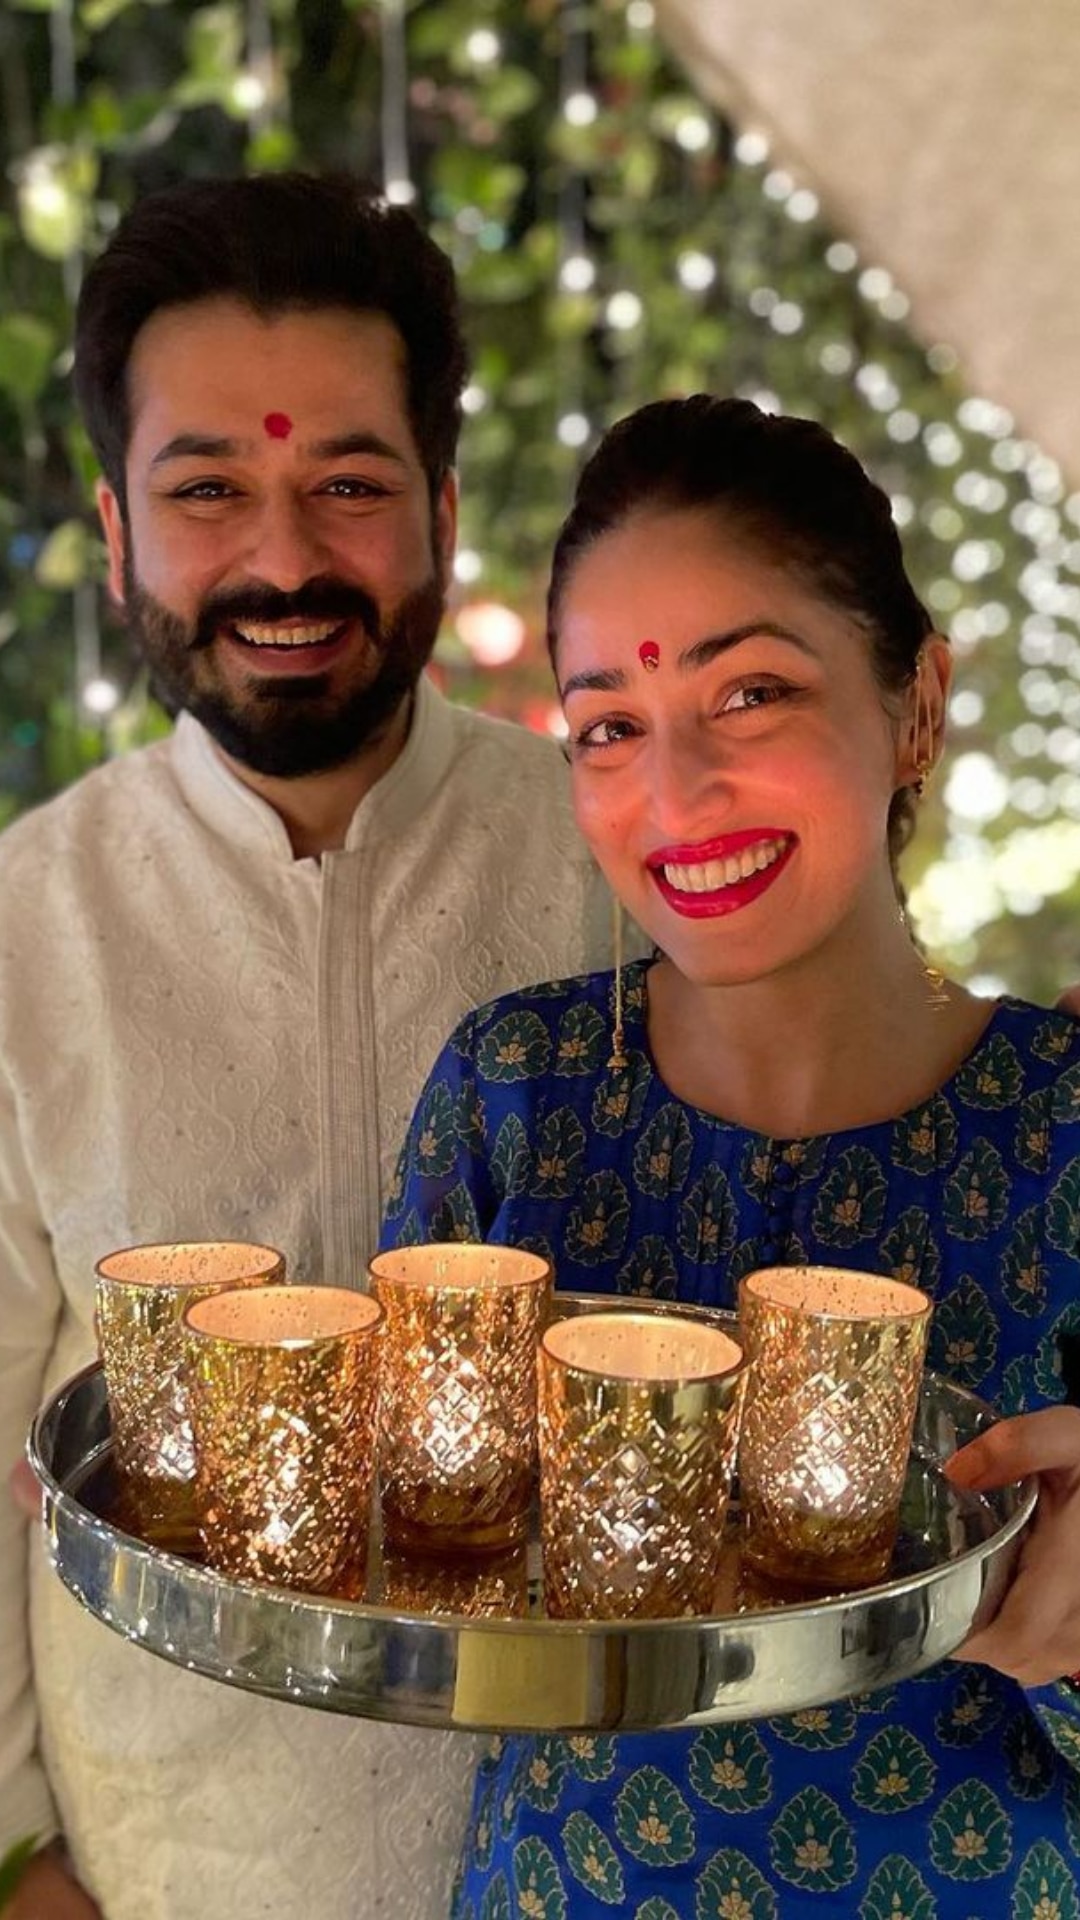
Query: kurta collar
x=232 y=810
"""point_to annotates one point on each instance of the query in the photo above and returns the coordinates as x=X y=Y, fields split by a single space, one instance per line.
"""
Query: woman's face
x=733 y=762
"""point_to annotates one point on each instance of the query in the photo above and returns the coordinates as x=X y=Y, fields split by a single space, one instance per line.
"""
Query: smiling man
x=227 y=962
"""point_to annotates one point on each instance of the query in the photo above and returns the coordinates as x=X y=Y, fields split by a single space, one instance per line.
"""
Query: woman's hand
x=48 y=1892
x=1035 y=1634
x=24 y=1489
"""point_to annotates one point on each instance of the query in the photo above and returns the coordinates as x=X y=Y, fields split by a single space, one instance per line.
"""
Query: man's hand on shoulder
x=48 y=1892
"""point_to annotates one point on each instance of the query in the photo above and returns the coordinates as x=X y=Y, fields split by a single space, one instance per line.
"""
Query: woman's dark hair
x=275 y=242
x=782 y=486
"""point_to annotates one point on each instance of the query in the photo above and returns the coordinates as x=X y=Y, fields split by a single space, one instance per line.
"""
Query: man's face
x=280 y=564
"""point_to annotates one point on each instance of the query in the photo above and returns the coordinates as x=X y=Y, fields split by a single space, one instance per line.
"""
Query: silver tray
x=484 y=1669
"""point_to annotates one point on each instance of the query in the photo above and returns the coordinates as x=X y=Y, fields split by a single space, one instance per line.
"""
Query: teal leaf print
x=975 y=1705
x=1023 y=1280
x=483 y=1832
x=1065 y=1098
x=596 y=1230
x=731 y=1888
x=434 y=1135
x=707 y=1219
x=730 y=1768
x=745 y=1259
x=1063 y=1211
x=1045 y=1889
x=593 y=1861
x=755 y=1171
x=817 y=1728
x=579 y=1044
x=455 y=1217
x=971 y=1834
x=469 y=1118
x=495 y=1904
x=536 y=1243
x=1031 y=1142
x=812 y=1845
x=510 y=1798
x=1055 y=1038
x=1048 y=1378
x=993 y=1078
x=1071 y=1808
x=517 y=1047
x=591 y=1755
x=851 y=1202
x=560 y=1149
x=963 y=1334
x=976 y=1197
x=463 y=1911
x=492 y=1754
x=545 y=1773
x=909 y=1251
x=805 y=1157
x=395 y=1199
x=540 y=1891
x=894 y=1773
x=1029 y=1758
x=1064 y=1731
x=650 y=1272
x=662 y=1155
x=620 y=1097
x=897 y=1891
x=411 y=1232
x=510 y=1158
x=925 y=1140
x=880 y=1700
x=653 y=1820
x=656 y=1909
x=1017 y=1388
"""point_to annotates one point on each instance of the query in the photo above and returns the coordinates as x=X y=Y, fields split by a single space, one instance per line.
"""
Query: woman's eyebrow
x=613 y=679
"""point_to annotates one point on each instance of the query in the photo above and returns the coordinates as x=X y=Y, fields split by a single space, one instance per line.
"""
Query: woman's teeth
x=296 y=634
x=710 y=875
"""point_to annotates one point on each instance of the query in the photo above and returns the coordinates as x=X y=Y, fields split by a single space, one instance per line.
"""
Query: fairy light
x=577 y=273
x=573 y=429
x=468 y=566
x=695 y=271
x=473 y=398
x=751 y=148
x=494 y=634
x=580 y=108
x=623 y=311
x=483 y=47
x=100 y=697
x=841 y=257
x=693 y=133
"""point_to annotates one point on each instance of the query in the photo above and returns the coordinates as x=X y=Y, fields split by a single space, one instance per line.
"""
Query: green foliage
x=707 y=270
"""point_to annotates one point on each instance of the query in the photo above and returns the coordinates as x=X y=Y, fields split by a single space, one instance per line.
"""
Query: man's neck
x=316 y=808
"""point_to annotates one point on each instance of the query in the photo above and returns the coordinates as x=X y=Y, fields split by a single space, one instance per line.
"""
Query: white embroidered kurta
x=202 y=1037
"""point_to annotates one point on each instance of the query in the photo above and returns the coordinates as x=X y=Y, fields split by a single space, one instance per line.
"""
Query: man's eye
x=203 y=490
x=348 y=486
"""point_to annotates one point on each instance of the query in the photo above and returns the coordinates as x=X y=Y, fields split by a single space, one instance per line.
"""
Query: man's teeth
x=713 y=874
x=295 y=634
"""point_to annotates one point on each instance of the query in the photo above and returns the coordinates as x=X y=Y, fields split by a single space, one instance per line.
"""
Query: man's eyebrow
x=206 y=446
x=613 y=679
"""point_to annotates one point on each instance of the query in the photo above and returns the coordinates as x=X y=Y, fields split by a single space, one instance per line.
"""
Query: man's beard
x=286 y=726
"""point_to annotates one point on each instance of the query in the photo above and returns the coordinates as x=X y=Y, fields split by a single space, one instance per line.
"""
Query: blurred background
x=866 y=215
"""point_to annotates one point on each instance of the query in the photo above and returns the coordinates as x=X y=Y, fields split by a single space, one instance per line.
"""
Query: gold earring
x=618 y=1061
x=923 y=731
x=937 y=990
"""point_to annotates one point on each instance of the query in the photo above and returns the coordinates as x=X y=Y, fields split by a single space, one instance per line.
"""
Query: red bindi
x=278 y=426
x=649 y=655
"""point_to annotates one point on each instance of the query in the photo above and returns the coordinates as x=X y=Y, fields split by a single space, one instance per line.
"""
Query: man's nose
x=285 y=548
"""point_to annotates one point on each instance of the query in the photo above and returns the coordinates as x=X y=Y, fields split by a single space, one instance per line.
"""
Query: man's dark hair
x=275 y=242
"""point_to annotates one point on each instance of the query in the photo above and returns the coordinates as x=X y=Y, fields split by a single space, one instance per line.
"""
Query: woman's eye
x=757 y=693
x=603 y=733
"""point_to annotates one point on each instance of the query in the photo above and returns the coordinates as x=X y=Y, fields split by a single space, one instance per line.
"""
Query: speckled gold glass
x=284 y=1386
x=834 y=1361
x=476 y=1585
x=140 y=1297
x=457 y=1450
x=638 y=1428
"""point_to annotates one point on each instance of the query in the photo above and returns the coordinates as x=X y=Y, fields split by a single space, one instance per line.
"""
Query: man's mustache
x=321 y=599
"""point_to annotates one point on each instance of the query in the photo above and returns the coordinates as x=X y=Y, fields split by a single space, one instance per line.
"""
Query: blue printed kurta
x=954 y=1796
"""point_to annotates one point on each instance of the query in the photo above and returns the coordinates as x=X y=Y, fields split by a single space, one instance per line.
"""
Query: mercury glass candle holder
x=638 y=1429
x=474 y=1585
x=457 y=1449
x=141 y=1295
x=284 y=1387
x=834 y=1365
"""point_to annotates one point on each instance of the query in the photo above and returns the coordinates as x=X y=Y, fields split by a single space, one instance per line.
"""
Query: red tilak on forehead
x=649 y=655
x=278 y=426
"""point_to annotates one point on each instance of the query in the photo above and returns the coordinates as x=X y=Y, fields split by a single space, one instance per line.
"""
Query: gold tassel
x=618 y=1061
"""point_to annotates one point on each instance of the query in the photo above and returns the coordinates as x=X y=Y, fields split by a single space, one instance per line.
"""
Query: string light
x=100 y=697
x=695 y=271
x=573 y=429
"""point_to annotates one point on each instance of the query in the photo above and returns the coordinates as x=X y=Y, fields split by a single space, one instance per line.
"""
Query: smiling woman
x=754 y=697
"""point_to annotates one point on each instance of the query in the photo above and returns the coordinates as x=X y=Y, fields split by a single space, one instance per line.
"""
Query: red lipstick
x=737 y=893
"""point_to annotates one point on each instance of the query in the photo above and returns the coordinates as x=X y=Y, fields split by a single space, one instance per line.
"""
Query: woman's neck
x=834 y=1043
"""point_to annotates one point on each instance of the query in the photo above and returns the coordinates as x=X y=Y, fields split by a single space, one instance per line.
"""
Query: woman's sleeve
x=443 y=1187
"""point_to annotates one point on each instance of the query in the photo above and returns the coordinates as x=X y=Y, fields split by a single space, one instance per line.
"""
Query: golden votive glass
x=457 y=1448
x=638 y=1429
x=141 y=1295
x=834 y=1364
x=284 y=1388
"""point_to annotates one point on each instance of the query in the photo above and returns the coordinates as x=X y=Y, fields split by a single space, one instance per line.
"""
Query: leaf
x=591 y=1755
x=14 y=1865
x=538 y=1881
x=732 y=1888
x=971 y=1834
x=812 y=1845
x=730 y=1768
x=964 y=1334
x=816 y=1729
x=1031 y=1142
x=993 y=1078
x=896 y=1890
x=909 y=1250
x=851 y=1202
x=455 y=1217
x=560 y=1150
x=894 y=1773
x=1023 y=1280
x=434 y=1132
x=1029 y=1758
x=926 y=1139
x=495 y=1904
x=975 y=1705
x=620 y=1097
x=27 y=347
x=1045 y=1888
x=517 y=1047
x=976 y=1198
x=597 y=1228
x=707 y=1219
x=650 y=1273
x=593 y=1861
x=582 y=1036
x=66 y=559
x=545 y=1773
x=1063 y=1211
x=511 y=1161
x=662 y=1155
x=653 y=1820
